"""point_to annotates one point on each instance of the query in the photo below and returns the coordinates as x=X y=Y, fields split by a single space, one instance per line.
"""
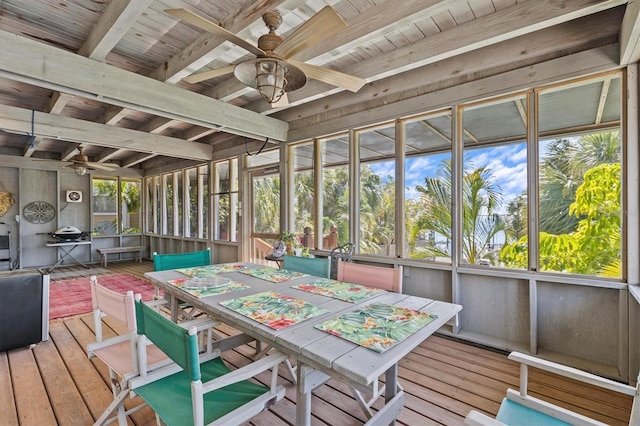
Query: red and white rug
x=73 y=297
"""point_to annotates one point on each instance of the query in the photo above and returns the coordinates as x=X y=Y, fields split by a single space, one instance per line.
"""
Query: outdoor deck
x=54 y=383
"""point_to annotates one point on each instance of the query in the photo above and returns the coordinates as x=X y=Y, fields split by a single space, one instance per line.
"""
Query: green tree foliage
x=594 y=247
x=562 y=171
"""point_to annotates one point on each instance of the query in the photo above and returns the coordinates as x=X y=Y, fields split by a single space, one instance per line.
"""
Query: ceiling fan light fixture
x=270 y=79
x=80 y=170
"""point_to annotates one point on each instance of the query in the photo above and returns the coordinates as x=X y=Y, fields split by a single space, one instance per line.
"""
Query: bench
x=105 y=252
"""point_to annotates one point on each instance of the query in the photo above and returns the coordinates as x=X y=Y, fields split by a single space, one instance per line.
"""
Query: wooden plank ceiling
x=107 y=75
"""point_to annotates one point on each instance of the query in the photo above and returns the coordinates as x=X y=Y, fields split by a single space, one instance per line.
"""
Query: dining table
x=305 y=329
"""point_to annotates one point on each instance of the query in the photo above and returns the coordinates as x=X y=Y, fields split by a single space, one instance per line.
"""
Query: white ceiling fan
x=273 y=72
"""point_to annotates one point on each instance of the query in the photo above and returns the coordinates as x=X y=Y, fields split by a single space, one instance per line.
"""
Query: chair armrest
x=106 y=343
x=572 y=373
x=476 y=418
x=200 y=323
x=246 y=372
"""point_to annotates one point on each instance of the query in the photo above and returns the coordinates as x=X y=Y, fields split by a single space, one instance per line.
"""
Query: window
x=107 y=210
x=377 y=191
x=303 y=193
x=580 y=175
x=494 y=179
x=225 y=200
x=427 y=174
x=335 y=192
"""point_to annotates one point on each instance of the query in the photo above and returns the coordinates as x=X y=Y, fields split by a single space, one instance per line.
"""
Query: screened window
x=427 y=174
x=335 y=192
x=225 y=200
x=580 y=175
x=377 y=191
x=111 y=217
x=304 y=193
x=494 y=179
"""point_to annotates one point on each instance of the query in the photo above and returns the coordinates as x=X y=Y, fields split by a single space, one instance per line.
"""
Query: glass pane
x=203 y=198
x=168 y=197
x=193 y=206
x=266 y=204
x=580 y=179
x=304 y=193
x=105 y=206
x=150 y=208
x=377 y=191
x=428 y=188
x=180 y=211
x=131 y=203
x=494 y=181
x=335 y=194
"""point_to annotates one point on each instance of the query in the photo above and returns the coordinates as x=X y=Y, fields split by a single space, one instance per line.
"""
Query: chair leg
x=116 y=404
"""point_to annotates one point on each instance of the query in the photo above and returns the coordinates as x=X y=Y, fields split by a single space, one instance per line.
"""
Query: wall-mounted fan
x=80 y=164
x=273 y=72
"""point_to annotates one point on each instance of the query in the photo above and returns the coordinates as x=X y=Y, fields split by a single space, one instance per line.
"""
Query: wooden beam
x=630 y=34
x=36 y=63
x=18 y=120
x=117 y=19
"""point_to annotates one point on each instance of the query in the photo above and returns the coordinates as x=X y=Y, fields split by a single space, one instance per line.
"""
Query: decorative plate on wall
x=39 y=212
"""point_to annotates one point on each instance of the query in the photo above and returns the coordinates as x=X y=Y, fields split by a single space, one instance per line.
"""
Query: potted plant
x=292 y=242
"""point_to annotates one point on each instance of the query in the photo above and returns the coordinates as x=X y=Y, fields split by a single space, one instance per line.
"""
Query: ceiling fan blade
x=327 y=75
x=101 y=166
x=320 y=26
x=211 y=27
x=206 y=75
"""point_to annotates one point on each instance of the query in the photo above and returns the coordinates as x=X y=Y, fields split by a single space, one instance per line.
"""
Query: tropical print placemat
x=274 y=310
x=274 y=275
x=377 y=326
x=211 y=270
x=339 y=290
x=232 y=286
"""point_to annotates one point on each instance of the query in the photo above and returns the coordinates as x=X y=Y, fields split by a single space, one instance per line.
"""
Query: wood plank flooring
x=53 y=383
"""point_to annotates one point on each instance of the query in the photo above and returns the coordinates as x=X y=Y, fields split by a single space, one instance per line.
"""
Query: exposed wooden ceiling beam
x=117 y=19
x=35 y=63
x=18 y=120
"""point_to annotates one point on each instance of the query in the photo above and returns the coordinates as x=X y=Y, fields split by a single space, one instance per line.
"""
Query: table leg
x=308 y=380
x=68 y=253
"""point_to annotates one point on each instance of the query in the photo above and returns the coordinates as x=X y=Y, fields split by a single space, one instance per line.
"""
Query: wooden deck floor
x=54 y=383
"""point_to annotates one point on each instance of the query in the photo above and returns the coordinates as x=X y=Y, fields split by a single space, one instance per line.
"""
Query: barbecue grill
x=68 y=234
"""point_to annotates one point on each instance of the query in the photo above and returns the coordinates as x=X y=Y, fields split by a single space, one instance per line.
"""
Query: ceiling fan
x=80 y=164
x=273 y=72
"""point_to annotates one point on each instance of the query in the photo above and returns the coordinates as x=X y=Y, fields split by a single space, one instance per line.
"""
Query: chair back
x=317 y=266
x=116 y=305
x=163 y=262
x=373 y=276
x=176 y=342
x=344 y=253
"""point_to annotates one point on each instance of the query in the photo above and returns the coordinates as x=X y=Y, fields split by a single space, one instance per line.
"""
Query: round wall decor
x=39 y=212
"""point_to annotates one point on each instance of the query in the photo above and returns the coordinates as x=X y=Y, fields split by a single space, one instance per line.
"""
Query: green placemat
x=211 y=270
x=274 y=275
x=339 y=290
x=377 y=326
x=232 y=286
x=274 y=310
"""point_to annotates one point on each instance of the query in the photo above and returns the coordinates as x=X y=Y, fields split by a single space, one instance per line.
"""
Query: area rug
x=73 y=297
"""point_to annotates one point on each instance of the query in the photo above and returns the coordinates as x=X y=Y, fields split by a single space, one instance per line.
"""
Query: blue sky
x=508 y=165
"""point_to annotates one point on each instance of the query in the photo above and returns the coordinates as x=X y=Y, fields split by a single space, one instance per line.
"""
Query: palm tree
x=481 y=199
